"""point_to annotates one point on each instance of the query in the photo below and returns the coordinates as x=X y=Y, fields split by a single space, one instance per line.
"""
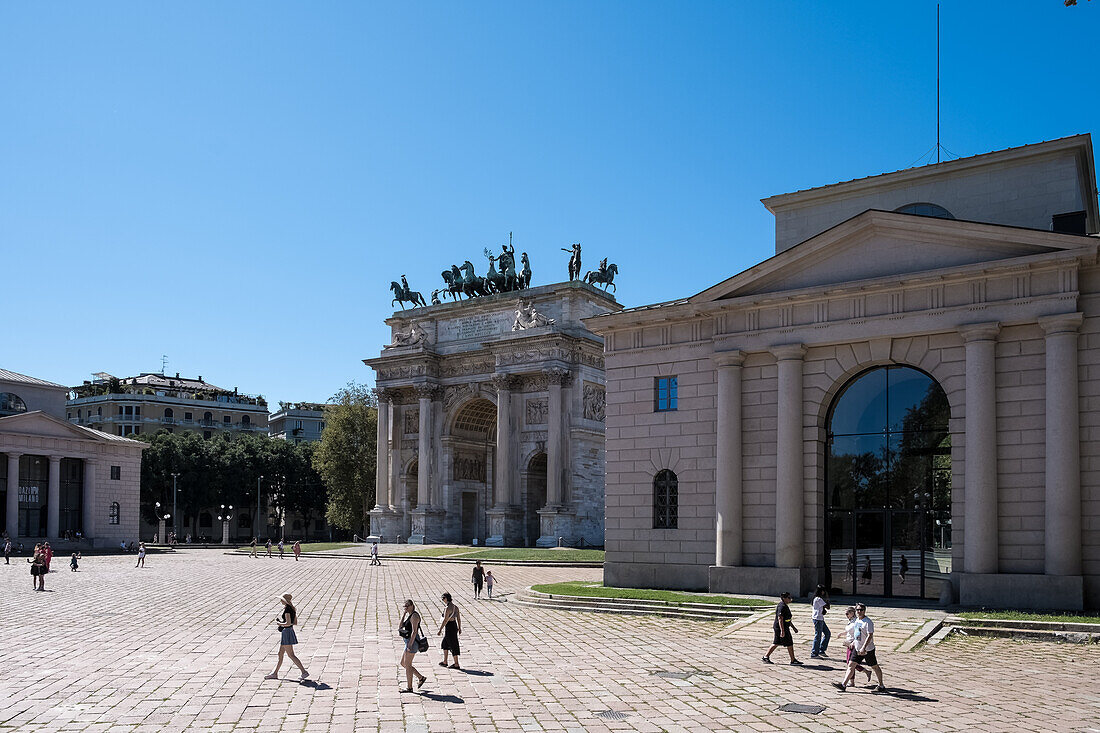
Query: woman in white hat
x=287 y=638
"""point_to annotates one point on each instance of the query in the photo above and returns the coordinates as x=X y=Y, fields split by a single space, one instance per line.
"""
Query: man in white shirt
x=865 y=647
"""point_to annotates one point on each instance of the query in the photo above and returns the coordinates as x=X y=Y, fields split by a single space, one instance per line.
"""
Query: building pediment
x=878 y=244
x=41 y=424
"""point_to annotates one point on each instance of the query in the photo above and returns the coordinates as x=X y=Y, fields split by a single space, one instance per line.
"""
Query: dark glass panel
x=857 y=472
x=861 y=407
x=916 y=402
x=841 y=551
x=905 y=553
x=870 y=553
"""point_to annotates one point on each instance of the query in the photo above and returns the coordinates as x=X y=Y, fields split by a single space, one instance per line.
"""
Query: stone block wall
x=126 y=491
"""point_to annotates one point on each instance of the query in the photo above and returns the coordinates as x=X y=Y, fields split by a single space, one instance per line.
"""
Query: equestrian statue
x=604 y=276
x=403 y=294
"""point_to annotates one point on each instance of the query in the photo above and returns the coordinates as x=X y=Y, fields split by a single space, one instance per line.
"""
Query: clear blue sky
x=236 y=184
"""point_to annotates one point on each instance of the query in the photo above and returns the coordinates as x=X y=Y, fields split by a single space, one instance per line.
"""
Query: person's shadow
x=314 y=685
x=442 y=698
x=907 y=695
x=475 y=672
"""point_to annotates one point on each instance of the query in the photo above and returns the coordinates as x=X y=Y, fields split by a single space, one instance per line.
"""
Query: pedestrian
x=866 y=579
x=865 y=650
x=287 y=638
x=268 y=546
x=252 y=544
x=452 y=624
x=141 y=555
x=297 y=550
x=489 y=580
x=478 y=578
x=280 y=548
x=903 y=568
x=409 y=630
x=850 y=567
x=74 y=562
x=7 y=551
x=822 y=634
x=782 y=630
x=374 y=554
x=48 y=554
x=852 y=632
x=38 y=569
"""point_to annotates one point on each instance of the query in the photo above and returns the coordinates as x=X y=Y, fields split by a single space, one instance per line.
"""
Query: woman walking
x=452 y=623
x=866 y=575
x=409 y=630
x=297 y=550
x=287 y=638
x=38 y=569
x=782 y=630
x=821 y=632
x=478 y=578
x=280 y=548
x=141 y=556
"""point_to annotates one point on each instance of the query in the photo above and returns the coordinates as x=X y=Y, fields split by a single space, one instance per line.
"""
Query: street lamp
x=224 y=518
x=256 y=516
x=174 y=512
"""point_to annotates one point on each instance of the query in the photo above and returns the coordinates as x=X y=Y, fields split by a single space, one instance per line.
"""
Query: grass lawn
x=507 y=553
x=579 y=588
x=1025 y=616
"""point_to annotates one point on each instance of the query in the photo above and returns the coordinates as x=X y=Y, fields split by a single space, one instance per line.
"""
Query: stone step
x=636 y=607
x=1072 y=637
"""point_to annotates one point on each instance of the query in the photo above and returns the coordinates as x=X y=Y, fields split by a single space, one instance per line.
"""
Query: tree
x=346 y=456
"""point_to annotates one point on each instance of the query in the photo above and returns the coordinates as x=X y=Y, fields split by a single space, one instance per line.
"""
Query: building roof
x=10 y=376
x=177 y=382
x=79 y=431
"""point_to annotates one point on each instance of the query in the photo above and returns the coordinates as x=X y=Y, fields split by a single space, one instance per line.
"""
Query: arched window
x=665 y=500
x=169 y=413
x=925 y=209
x=244 y=521
x=116 y=513
x=246 y=420
x=11 y=404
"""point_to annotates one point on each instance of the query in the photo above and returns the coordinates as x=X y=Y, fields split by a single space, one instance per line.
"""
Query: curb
x=454 y=560
x=1050 y=631
x=636 y=607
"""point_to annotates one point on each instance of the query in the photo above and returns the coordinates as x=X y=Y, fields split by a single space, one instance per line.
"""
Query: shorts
x=868 y=659
x=785 y=640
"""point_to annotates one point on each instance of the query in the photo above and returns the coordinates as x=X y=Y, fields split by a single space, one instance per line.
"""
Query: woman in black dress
x=478 y=578
x=782 y=628
x=452 y=623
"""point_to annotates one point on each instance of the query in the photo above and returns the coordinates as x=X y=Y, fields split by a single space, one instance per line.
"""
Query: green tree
x=346 y=455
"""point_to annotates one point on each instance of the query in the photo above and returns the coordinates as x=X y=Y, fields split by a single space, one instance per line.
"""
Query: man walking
x=865 y=649
x=7 y=550
x=252 y=544
x=374 y=554
x=782 y=628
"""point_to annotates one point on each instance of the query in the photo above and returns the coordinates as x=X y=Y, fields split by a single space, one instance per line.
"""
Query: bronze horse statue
x=472 y=284
x=525 y=273
x=453 y=278
x=402 y=295
x=602 y=276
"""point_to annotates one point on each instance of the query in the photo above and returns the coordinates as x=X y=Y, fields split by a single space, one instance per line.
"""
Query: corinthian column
x=424 y=393
x=788 y=457
x=1063 y=446
x=554 y=468
x=980 y=480
x=502 y=475
x=727 y=479
x=382 y=495
x=12 y=523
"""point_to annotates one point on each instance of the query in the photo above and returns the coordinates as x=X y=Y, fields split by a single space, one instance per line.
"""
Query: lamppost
x=174 y=512
x=160 y=525
x=256 y=516
x=224 y=518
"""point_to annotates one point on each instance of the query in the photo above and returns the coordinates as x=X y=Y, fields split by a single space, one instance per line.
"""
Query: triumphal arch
x=491 y=420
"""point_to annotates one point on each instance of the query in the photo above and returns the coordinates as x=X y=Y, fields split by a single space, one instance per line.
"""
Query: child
x=74 y=561
x=489 y=580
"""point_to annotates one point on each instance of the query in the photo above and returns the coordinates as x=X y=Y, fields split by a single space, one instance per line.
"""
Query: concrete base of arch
x=505 y=527
x=427 y=526
x=1022 y=590
x=556 y=523
x=386 y=523
x=762 y=581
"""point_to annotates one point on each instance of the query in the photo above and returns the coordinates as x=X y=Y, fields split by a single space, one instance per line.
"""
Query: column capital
x=384 y=394
x=1061 y=323
x=426 y=391
x=54 y=459
x=13 y=453
x=732 y=358
x=979 y=331
x=557 y=375
x=789 y=352
x=503 y=382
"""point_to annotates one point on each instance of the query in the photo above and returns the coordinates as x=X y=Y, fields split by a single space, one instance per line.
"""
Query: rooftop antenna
x=163 y=363
x=938 y=146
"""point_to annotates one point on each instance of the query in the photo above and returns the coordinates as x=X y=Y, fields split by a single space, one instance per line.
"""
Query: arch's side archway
x=534 y=498
x=888 y=485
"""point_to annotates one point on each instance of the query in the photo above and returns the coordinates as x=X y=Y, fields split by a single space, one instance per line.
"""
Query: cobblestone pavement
x=184 y=644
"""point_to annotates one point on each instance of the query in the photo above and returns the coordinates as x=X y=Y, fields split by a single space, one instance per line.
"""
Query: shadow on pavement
x=315 y=685
x=442 y=698
x=475 y=672
x=908 y=695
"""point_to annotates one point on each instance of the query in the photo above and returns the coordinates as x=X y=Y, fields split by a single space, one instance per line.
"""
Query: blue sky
x=234 y=185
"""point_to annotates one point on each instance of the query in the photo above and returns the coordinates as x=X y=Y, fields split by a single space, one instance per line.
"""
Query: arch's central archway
x=888 y=485
x=471 y=441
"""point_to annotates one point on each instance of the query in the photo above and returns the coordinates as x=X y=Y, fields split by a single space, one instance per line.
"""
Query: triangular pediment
x=48 y=426
x=881 y=244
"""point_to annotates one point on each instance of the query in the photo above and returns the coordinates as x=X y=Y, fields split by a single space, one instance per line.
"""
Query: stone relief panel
x=537 y=411
x=595 y=401
x=465 y=368
x=468 y=467
x=412 y=420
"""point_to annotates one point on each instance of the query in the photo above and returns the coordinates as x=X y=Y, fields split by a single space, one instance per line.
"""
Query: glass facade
x=70 y=515
x=888 y=485
x=34 y=489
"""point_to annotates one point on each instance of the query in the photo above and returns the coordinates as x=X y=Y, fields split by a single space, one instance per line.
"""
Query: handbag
x=405 y=631
x=421 y=642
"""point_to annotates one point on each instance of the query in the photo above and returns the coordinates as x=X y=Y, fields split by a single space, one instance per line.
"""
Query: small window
x=925 y=209
x=116 y=473
x=665 y=500
x=226 y=419
x=116 y=511
x=168 y=413
x=297 y=424
x=99 y=411
x=11 y=403
x=137 y=411
x=665 y=394
x=246 y=420
x=119 y=430
x=188 y=416
x=243 y=521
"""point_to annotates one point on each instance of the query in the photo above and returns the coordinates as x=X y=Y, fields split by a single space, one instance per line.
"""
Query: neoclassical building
x=491 y=420
x=903 y=401
x=62 y=480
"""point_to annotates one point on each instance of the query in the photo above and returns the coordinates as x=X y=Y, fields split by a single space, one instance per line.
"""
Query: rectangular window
x=129 y=409
x=297 y=424
x=665 y=394
x=226 y=419
x=137 y=410
x=116 y=473
x=187 y=416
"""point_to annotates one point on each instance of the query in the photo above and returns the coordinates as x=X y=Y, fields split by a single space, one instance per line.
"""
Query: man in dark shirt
x=782 y=630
